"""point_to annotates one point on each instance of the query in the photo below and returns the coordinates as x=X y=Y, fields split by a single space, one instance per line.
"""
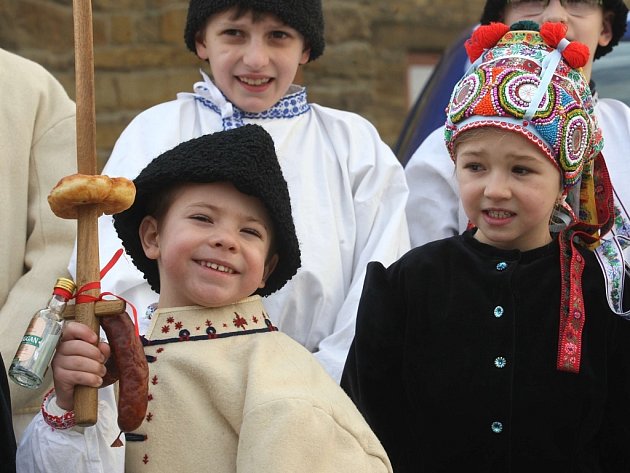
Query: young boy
x=347 y=188
x=433 y=210
x=211 y=225
x=497 y=350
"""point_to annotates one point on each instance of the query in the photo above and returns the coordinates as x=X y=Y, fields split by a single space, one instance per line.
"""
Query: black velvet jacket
x=454 y=364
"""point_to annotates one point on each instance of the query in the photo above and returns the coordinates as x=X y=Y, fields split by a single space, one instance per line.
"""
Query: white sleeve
x=380 y=195
x=433 y=208
x=46 y=450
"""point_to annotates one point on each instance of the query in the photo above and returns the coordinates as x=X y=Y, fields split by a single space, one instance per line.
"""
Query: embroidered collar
x=182 y=324
x=293 y=104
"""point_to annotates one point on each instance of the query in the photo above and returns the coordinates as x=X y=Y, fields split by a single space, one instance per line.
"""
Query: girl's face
x=508 y=188
x=211 y=246
x=253 y=62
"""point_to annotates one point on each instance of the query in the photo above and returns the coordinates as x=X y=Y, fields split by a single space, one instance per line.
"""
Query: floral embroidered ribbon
x=614 y=258
x=595 y=220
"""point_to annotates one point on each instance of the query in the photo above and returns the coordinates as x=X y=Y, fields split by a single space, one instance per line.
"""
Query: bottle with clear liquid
x=40 y=340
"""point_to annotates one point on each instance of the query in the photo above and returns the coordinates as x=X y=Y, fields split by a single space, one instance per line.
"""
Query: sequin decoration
x=500 y=362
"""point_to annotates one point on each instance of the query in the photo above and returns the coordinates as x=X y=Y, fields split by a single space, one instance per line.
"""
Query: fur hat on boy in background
x=493 y=11
x=245 y=157
x=305 y=16
x=527 y=79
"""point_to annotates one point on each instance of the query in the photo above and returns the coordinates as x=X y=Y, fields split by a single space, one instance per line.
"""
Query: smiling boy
x=211 y=231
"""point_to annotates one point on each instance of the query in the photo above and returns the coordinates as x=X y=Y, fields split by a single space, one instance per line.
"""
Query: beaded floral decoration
x=528 y=79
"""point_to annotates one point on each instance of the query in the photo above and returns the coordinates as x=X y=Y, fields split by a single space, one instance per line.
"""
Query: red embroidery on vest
x=239 y=322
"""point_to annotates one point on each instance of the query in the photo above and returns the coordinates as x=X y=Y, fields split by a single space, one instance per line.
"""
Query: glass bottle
x=40 y=340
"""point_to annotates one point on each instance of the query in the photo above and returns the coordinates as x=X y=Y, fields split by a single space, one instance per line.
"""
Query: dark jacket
x=454 y=364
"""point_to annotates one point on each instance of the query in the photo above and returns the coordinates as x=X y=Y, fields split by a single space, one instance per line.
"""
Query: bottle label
x=31 y=339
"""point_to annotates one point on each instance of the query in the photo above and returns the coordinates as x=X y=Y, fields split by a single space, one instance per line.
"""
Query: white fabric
x=348 y=195
x=434 y=210
x=84 y=450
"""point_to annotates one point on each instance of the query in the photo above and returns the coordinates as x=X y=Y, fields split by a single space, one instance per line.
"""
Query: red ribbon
x=83 y=298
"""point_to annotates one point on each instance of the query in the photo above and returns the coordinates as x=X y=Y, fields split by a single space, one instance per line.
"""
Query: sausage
x=130 y=364
x=112 y=375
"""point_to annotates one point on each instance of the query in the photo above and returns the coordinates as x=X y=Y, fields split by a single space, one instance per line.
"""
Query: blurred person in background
x=37 y=147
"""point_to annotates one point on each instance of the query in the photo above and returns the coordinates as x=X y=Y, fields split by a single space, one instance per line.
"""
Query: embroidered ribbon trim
x=571 y=309
x=613 y=256
x=62 y=422
x=207 y=94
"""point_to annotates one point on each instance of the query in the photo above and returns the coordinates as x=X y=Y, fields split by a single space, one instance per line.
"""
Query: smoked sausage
x=129 y=364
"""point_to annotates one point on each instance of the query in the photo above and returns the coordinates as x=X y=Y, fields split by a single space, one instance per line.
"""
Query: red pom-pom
x=576 y=54
x=484 y=37
x=553 y=33
x=474 y=50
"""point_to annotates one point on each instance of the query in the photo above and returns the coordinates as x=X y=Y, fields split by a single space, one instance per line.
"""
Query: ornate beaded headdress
x=527 y=79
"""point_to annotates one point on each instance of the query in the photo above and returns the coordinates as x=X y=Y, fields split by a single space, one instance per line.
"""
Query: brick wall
x=141 y=60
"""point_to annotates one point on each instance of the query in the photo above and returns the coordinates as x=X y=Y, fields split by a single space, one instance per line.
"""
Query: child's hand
x=78 y=361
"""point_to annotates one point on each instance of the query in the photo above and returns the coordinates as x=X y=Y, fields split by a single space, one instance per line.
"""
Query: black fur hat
x=304 y=15
x=493 y=11
x=244 y=156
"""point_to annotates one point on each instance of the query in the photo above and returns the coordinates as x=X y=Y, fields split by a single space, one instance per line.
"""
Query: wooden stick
x=101 y=309
x=86 y=398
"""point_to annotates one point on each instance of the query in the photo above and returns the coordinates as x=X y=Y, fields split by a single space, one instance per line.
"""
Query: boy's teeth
x=219 y=267
x=254 y=81
x=499 y=214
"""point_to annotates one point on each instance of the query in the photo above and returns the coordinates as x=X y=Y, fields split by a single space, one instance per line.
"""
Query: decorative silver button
x=500 y=362
x=502 y=266
x=498 y=311
x=497 y=427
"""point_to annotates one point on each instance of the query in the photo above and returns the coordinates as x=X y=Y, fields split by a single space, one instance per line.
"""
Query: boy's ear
x=202 y=51
x=606 y=34
x=200 y=44
x=270 y=265
x=306 y=54
x=148 y=232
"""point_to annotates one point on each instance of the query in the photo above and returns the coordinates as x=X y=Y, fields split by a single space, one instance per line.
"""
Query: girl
x=497 y=350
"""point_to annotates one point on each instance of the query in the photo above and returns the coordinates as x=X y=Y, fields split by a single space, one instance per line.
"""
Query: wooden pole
x=86 y=398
